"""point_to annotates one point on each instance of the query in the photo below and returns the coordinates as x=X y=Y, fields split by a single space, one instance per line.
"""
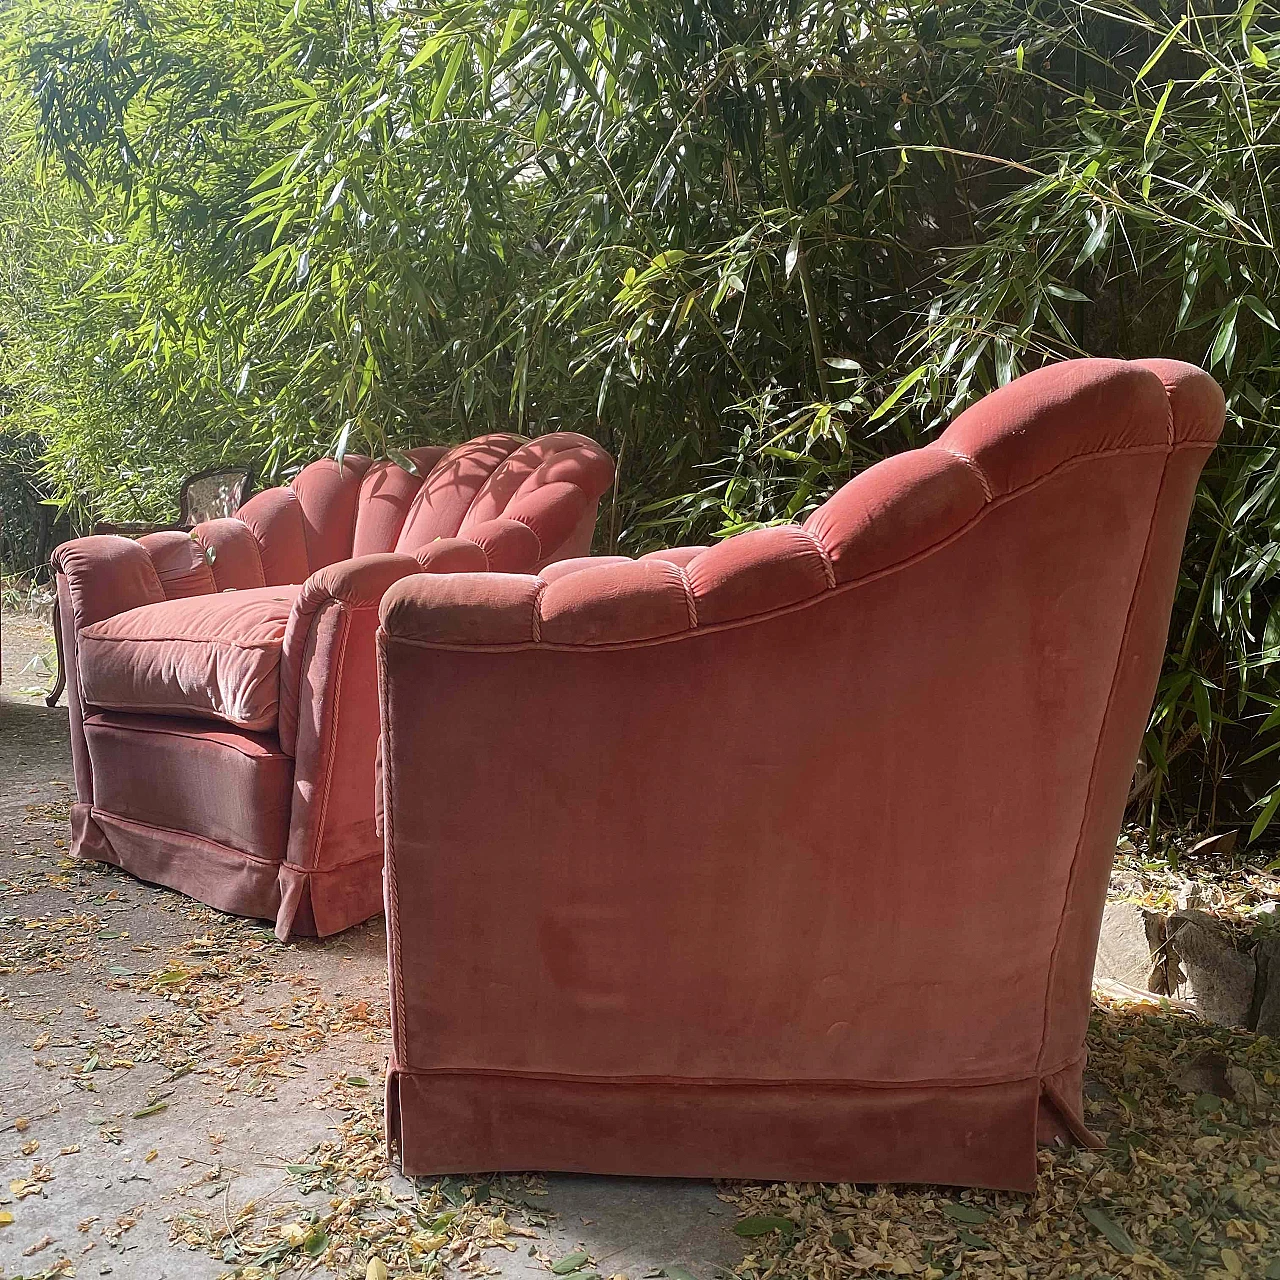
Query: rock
x=1215 y=1073
x=1221 y=977
x=1267 y=995
x=1244 y=1088
x=1205 y=1074
x=1192 y=957
x=1131 y=942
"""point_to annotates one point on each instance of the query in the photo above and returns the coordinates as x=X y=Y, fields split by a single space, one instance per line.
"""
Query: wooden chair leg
x=51 y=698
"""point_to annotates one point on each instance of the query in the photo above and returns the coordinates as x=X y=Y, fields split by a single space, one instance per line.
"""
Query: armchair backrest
x=331 y=511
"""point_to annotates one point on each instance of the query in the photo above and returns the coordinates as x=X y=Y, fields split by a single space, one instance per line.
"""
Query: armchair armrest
x=354 y=585
x=357 y=587
x=106 y=574
x=880 y=521
x=509 y=546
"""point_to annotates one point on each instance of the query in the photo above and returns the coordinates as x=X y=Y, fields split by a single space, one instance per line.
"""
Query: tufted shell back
x=333 y=511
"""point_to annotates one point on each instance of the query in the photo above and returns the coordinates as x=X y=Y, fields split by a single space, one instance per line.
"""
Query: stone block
x=1221 y=977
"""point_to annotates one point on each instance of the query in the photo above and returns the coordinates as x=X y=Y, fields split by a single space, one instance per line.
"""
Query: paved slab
x=180 y=1091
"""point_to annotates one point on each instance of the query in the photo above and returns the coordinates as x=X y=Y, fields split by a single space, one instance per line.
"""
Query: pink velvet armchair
x=221 y=681
x=785 y=858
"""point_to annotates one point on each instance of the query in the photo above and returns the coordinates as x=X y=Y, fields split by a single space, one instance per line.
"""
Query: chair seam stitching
x=828 y=568
x=973 y=464
x=806 y=1082
x=185 y=639
x=535 y=622
x=392 y=883
x=690 y=601
x=190 y=835
x=333 y=731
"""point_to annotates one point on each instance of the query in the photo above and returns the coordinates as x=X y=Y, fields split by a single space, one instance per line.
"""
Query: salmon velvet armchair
x=221 y=681
x=785 y=858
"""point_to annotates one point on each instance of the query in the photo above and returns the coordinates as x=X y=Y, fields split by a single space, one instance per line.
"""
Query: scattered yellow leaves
x=6 y=1218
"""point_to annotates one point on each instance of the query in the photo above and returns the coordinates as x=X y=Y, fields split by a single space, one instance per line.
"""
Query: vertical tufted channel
x=329 y=495
x=448 y=492
x=386 y=494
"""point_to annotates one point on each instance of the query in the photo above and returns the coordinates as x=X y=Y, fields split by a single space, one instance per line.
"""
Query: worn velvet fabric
x=213 y=656
x=785 y=858
x=222 y=683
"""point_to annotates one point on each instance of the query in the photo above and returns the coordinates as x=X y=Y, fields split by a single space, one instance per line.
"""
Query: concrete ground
x=182 y=1097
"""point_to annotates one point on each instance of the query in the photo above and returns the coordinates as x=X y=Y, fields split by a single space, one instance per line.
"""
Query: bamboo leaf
x=1157 y=115
x=898 y=392
x=430 y=47
x=1116 y=1236
x=1160 y=50
x=445 y=83
x=1270 y=803
x=970 y=1213
x=763 y=1225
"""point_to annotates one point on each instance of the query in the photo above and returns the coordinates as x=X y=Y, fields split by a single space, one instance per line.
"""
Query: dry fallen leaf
x=1232 y=1262
x=1188 y=1176
x=376 y=1270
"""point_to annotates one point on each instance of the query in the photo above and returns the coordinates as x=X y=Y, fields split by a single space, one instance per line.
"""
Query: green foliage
x=751 y=248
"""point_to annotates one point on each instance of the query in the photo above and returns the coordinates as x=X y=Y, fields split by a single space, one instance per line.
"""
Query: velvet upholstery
x=213 y=656
x=222 y=682
x=785 y=858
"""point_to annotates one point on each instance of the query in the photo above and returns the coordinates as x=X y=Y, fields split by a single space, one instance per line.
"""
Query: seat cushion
x=215 y=656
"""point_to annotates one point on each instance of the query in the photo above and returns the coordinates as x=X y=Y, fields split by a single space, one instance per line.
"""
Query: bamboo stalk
x=779 y=144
